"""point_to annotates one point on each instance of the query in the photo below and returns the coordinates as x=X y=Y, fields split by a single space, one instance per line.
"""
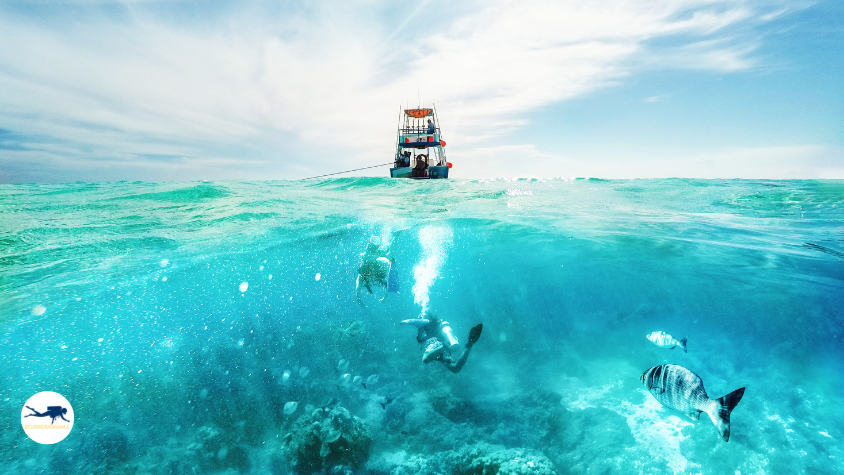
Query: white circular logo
x=47 y=417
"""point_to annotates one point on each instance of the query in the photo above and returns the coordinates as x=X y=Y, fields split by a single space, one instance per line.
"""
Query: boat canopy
x=419 y=113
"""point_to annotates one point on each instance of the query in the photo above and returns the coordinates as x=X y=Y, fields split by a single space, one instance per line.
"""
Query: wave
x=184 y=195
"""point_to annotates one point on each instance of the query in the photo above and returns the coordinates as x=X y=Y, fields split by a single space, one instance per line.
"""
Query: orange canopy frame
x=419 y=113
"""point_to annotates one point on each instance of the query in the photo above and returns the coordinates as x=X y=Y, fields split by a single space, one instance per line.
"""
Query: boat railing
x=417 y=130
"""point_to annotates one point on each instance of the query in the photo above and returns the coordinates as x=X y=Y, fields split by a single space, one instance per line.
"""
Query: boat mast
x=439 y=131
x=398 y=135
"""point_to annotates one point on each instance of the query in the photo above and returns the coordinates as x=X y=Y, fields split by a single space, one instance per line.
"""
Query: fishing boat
x=419 y=146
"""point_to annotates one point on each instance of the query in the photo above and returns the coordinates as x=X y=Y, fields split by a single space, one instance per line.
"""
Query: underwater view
x=296 y=327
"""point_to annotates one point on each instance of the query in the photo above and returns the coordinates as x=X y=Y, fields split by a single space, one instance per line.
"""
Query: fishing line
x=347 y=171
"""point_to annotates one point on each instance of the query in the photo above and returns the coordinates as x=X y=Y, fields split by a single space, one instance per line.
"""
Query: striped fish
x=678 y=388
x=664 y=340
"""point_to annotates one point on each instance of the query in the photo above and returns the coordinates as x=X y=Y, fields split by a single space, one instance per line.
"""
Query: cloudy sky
x=210 y=90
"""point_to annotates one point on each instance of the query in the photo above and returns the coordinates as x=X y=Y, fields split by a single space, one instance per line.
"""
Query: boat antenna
x=398 y=133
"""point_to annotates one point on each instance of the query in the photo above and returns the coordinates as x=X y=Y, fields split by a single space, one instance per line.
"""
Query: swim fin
x=474 y=334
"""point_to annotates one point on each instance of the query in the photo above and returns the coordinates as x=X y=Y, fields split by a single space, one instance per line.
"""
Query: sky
x=250 y=90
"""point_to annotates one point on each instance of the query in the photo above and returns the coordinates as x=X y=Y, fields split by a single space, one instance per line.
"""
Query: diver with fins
x=438 y=343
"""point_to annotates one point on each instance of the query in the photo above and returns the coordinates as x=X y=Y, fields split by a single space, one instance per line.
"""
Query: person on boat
x=421 y=168
x=438 y=343
x=404 y=159
x=430 y=127
x=375 y=268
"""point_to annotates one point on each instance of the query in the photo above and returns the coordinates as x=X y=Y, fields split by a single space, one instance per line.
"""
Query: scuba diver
x=438 y=343
x=52 y=412
x=375 y=268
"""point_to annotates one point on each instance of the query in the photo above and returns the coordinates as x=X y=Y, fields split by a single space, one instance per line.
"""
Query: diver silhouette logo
x=58 y=409
x=52 y=411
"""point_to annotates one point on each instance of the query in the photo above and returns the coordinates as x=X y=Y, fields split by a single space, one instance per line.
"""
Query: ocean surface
x=180 y=320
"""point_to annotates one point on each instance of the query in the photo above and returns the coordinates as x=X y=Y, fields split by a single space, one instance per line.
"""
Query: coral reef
x=426 y=431
x=104 y=448
x=444 y=401
x=107 y=444
x=327 y=442
x=207 y=450
x=510 y=462
x=214 y=451
x=477 y=459
x=593 y=441
x=533 y=418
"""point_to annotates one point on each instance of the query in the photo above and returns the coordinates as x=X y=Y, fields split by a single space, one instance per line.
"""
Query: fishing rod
x=347 y=171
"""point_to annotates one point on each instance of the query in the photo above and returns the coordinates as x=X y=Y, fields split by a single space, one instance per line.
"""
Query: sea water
x=190 y=325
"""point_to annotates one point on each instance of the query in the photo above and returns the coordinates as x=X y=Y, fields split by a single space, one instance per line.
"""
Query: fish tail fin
x=720 y=411
x=683 y=344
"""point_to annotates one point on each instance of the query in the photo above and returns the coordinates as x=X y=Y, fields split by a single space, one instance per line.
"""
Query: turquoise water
x=129 y=300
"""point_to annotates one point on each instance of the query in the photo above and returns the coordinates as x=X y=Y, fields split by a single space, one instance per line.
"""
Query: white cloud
x=517 y=56
x=318 y=89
